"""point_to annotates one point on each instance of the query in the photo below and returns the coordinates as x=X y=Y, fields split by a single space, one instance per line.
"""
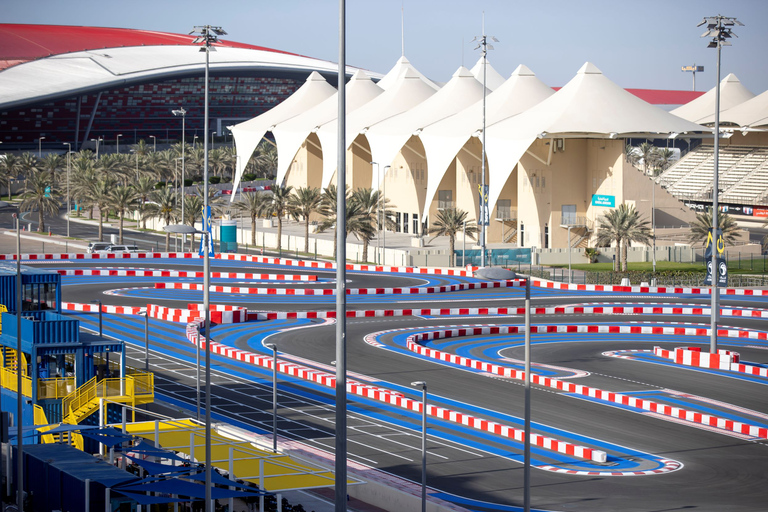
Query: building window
x=568 y=214
x=415 y=218
x=522 y=235
x=444 y=199
x=405 y=223
x=546 y=236
x=397 y=222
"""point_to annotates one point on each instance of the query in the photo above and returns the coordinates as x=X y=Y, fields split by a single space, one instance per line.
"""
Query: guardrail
x=8 y=381
x=137 y=386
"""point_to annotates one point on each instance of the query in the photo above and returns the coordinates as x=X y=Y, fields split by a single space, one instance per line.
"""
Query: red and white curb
x=332 y=291
x=182 y=273
x=220 y=314
x=412 y=343
x=723 y=360
x=553 y=285
x=399 y=400
x=669 y=466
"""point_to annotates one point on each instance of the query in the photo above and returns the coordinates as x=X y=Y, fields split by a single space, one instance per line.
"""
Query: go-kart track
x=630 y=412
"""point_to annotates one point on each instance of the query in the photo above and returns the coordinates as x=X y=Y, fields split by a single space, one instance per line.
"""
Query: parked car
x=97 y=246
x=111 y=249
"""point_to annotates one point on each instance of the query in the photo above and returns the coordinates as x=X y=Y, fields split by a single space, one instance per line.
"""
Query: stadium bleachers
x=743 y=174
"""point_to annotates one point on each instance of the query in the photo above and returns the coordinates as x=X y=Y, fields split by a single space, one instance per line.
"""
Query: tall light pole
x=207 y=35
x=653 y=222
x=378 y=212
x=423 y=386
x=40 y=147
x=527 y=408
x=19 y=397
x=183 y=113
x=719 y=28
x=384 y=200
x=483 y=43
x=69 y=203
x=154 y=143
x=117 y=140
x=340 y=444
x=273 y=348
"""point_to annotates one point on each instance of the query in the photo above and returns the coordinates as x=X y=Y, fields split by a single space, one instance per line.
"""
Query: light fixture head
x=613 y=135
x=419 y=383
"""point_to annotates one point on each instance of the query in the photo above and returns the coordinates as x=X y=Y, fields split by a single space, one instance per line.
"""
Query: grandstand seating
x=743 y=177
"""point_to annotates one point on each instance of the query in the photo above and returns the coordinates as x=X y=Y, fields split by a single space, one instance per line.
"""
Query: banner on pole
x=208 y=227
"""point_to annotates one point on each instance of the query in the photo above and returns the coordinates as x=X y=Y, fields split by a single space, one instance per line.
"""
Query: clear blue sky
x=640 y=44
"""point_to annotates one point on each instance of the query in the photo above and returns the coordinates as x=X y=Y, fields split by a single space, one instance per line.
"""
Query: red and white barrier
x=181 y=273
x=332 y=291
x=723 y=360
x=94 y=308
x=544 y=283
x=397 y=399
x=569 y=387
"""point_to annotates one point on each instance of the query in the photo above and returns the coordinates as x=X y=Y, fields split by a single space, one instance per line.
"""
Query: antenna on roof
x=402 y=30
x=462 y=51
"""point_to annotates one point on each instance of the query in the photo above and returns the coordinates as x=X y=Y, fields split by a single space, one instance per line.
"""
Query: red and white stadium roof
x=46 y=62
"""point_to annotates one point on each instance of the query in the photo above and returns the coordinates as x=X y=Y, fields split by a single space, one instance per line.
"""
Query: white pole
x=569 y=254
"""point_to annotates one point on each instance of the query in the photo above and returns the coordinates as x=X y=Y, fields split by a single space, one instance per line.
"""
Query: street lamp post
x=378 y=213
x=183 y=113
x=69 y=203
x=19 y=396
x=423 y=386
x=719 y=28
x=273 y=348
x=527 y=411
x=117 y=139
x=40 y=147
x=207 y=35
x=483 y=43
x=569 y=253
x=154 y=143
x=384 y=200
x=101 y=332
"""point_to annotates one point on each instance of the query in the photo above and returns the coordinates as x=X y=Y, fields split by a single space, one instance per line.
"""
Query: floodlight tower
x=719 y=28
x=207 y=35
x=483 y=43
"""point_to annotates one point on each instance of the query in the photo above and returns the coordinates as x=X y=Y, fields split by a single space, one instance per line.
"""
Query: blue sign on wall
x=603 y=200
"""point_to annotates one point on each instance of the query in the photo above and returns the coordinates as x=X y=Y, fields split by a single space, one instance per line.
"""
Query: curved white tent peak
x=410 y=89
x=291 y=134
x=732 y=93
x=400 y=66
x=389 y=136
x=493 y=79
x=752 y=113
x=444 y=139
x=589 y=105
x=248 y=134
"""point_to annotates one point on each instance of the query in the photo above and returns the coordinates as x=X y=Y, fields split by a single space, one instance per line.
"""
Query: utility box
x=228 y=236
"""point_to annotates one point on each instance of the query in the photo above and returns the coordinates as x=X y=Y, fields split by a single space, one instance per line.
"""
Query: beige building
x=553 y=159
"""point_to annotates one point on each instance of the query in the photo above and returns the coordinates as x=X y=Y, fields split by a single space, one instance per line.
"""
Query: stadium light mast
x=483 y=217
x=719 y=28
x=183 y=113
x=207 y=35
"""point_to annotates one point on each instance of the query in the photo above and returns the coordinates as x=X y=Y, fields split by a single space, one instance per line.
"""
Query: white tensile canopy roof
x=388 y=137
x=752 y=113
x=291 y=134
x=249 y=133
x=732 y=93
x=493 y=79
x=392 y=75
x=410 y=89
x=444 y=139
x=590 y=105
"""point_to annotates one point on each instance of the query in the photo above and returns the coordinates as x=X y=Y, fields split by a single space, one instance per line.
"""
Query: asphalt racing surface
x=653 y=461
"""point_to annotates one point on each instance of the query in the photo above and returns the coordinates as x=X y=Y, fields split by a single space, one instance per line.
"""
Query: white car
x=98 y=247
x=118 y=249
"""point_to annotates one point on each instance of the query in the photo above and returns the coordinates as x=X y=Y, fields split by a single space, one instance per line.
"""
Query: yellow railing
x=55 y=387
x=8 y=381
x=82 y=401
x=41 y=419
x=3 y=309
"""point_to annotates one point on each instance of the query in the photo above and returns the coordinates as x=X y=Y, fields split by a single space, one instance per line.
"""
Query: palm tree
x=252 y=204
x=631 y=155
x=29 y=164
x=278 y=206
x=38 y=196
x=102 y=197
x=328 y=210
x=449 y=222
x=9 y=170
x=622 y=225
x=302 y=204
x=701 y=227
x=649 y=155
x=83 y=178
x=52 y=163
x=266 y=161
x=664 y=158
x=164 y=206
x=144 y=189
x=122 y=197
x=377 y=209
x=193 y=209
x=361 y=224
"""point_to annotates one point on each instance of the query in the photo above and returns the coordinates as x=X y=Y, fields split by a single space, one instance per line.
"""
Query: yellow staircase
x=139 y=389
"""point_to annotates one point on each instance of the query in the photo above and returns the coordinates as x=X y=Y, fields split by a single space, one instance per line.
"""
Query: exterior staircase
x=139 y=388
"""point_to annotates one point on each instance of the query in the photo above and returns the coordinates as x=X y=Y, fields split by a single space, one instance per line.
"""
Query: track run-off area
x=629 y=409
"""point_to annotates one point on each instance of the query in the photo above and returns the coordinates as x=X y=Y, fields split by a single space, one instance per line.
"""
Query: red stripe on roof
x=22 y=43
x=661 y=96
